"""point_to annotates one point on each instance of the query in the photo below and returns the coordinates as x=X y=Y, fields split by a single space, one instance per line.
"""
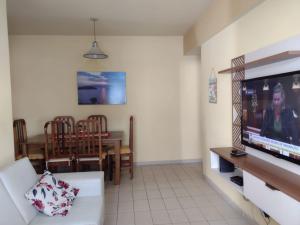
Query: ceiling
x=116 y=17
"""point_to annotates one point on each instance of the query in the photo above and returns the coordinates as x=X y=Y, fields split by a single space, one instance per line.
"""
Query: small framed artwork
x=101 y=88
x=212 y=87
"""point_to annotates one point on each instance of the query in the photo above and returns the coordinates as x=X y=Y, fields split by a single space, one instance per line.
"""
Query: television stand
x=237 y=180
x=268 y=186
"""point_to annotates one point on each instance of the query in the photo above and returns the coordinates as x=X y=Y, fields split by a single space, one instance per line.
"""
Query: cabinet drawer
x=284 y=209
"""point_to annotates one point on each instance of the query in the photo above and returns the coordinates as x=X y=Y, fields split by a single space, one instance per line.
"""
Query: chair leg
x=131 y=166
x=77 y=166
x=111 y=168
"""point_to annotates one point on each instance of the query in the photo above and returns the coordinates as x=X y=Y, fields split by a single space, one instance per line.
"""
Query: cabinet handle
x=271 y=187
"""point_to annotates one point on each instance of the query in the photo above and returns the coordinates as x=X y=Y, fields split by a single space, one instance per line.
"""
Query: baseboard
x=165 y=162
x=230 y=202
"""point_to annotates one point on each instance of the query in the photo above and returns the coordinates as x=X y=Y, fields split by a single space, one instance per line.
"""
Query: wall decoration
x=212 y=87
x=104 y=88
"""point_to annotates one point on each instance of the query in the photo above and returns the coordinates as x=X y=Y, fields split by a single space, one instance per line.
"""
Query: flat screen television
x=271 y=115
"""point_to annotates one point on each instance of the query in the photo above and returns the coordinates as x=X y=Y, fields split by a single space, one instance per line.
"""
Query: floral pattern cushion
x=48 y=199
x=68 y=191
x=51 y=196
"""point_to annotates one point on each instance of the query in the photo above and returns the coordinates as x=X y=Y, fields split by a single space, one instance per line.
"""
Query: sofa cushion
x=9 y=213
x=85 y=211
x=69 y=191
x=17 y=179
x=48 y=199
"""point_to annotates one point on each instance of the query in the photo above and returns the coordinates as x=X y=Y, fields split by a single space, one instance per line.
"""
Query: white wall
x=268 y=23
x=6 y=132
x=44 y=85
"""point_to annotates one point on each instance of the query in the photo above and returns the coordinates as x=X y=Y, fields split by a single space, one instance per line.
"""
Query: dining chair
x=24 y=149
x=59 y=145
x=102 y=119
x=126 y=151
x=69 y=119
x=89 y=145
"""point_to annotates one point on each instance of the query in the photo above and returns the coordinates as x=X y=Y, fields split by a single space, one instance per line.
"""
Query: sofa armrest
x=89 y=183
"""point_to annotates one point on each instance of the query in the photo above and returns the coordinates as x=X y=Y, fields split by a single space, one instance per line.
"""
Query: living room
x=168 y=67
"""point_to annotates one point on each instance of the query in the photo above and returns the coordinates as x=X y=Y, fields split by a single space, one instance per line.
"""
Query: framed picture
x=101 y=88
x=212 y=87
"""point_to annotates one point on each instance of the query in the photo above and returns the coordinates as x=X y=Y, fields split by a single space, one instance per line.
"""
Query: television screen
x=271 y=115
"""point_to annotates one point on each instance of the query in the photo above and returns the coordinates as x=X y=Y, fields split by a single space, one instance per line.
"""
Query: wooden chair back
x=102 y=119
x=88 y=135
x=59 y=140
x=69 y=119
x=131 y=133
x=20 y=137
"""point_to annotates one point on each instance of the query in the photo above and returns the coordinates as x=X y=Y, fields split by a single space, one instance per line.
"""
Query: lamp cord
x=94 y=30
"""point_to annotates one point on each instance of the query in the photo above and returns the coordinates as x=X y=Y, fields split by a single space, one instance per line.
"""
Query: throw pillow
x=67 y=190
x=48 y=199
x=52 y=196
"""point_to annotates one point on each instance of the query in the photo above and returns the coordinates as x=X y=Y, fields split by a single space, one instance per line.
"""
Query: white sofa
x=15 y=180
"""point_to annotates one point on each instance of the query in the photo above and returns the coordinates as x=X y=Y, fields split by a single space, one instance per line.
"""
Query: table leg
x=117 y=162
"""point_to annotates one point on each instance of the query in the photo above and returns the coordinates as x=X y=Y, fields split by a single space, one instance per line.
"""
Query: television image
x=105 y=88
x=271 y=115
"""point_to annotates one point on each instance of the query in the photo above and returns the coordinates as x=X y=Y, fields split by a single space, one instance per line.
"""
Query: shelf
x=226 y=176
x=283 y=180
x=264 y=61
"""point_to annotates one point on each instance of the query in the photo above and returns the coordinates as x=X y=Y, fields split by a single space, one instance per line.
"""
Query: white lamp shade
x=95 y=52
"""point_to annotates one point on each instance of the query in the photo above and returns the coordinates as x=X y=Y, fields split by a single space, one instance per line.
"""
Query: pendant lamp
x=95 y=52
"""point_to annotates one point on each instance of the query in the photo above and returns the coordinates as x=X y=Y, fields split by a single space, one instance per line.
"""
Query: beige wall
x=270 y=22
x=216 y=17
x=6 y=133
x=44 y=85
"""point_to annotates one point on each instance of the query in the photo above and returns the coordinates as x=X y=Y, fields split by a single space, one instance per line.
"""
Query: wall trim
x=165 y=162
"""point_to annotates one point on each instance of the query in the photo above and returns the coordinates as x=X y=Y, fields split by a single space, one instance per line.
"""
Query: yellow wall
x=6 y=133
x=268 y=23
x=217 y=16
x=44 y=85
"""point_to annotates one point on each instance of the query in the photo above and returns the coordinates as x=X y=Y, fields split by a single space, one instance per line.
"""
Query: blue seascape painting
x=104 y=88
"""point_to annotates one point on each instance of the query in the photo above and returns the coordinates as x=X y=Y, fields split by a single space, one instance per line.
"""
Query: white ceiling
x=116 y=17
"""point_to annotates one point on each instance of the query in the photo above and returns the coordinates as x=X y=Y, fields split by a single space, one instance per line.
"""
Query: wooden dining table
x=114 y=138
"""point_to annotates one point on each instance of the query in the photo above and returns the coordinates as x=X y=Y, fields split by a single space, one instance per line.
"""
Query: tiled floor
x=168 y=194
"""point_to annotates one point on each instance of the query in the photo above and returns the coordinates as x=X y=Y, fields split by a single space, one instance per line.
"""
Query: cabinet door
x=284 y=209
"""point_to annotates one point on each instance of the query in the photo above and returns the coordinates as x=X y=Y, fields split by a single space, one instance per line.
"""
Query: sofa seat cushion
x=85 y=211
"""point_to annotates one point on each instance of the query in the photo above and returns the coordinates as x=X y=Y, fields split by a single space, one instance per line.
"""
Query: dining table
x=112 y=138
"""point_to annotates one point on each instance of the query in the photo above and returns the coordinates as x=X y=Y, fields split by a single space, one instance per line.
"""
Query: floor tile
x=200 y=223
x=194 y=214
x=156 y=204
x=160 y=217
x=177 y=216
x=143 y=218
x=172 y=203
x=187 y=202
x=111 y=208
x=167 y=195
x=167 y=192
x=141 y=205
x=139 y=195
x=125 y=207
x=217 y=222
x=110 y=219
x=211 y=213
x=125 y=219
x=181 y=192
x=152 y=194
